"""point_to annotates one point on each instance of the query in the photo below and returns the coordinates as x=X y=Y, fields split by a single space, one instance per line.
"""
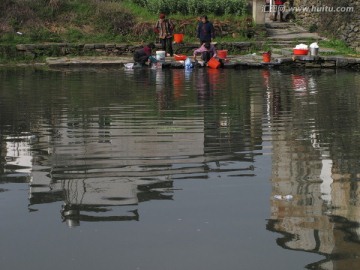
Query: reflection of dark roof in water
x=73 y=214
x=107 y=208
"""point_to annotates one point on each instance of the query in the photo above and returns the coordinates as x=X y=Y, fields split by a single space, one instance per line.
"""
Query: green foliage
x=13 y=38
x=9 y=54
x=44 y=34
x=313 y=28
x=141 y=13
x=104 y=20
x=195 y=7
x=46 y=9
x=74 y=35
x=340 y=46
x=15 y=23
x=114 y=18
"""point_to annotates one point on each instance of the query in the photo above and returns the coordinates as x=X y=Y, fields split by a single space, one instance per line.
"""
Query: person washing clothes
x=141 y=56
x=207 y=50
x=165 y=28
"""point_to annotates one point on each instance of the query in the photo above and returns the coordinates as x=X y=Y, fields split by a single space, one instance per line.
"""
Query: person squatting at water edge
x=207 y=51
x=143 y=55
x=165 y=28
x=205 y=30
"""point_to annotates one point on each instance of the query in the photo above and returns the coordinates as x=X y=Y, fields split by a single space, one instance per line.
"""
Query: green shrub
x=43 y=34
x=113 y=18
x=195 y=7
x=313 y=28
x=74 y=35
x=9 y=53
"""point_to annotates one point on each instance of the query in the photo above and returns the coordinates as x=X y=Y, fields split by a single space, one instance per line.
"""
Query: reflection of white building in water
x=18 y=155
x=94 y=169
x=122 y=156
x=317 y=218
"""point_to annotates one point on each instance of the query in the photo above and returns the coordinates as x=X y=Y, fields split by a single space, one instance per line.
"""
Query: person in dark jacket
x=205 y=30
x=141 y=56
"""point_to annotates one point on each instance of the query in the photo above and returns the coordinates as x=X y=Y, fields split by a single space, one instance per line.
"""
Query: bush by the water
x=195 y=7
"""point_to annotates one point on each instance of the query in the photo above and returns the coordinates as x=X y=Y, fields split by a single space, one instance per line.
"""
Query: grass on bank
x=86 y=21
x=338 y=46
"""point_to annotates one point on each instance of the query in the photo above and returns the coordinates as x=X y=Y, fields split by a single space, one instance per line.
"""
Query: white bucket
x=160 y=56
x=314 y=51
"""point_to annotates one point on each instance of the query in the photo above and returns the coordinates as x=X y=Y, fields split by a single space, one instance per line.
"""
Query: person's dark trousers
x=166 y=45
x=141 y=59
x=281 y=16
x=279 y=9
x=206 y=56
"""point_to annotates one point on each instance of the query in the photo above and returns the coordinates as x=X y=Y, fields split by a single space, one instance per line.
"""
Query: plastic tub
x=222 y=54
x=180 y=57
x=213 y=63
x=300 y=52
x=160 y=56
x=178 y=38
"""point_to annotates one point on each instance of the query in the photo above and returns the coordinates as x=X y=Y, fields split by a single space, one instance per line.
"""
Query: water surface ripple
x=199 y=166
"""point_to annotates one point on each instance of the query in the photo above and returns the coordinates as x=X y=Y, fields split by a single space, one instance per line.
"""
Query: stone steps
x=288 y=35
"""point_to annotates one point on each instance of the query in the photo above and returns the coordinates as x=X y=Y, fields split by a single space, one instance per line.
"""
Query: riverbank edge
x=116 y=55
x=251 y=61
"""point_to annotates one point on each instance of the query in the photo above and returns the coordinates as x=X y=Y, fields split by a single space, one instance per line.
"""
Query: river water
x=173 y=169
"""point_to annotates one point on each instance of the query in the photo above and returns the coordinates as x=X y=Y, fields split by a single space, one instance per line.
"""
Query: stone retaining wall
x=340 y=25
x=63 y=49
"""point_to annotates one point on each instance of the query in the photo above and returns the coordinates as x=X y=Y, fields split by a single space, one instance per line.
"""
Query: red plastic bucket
x=213 y=63
x=178 y=38
x=222 y=54
x=266 y=57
